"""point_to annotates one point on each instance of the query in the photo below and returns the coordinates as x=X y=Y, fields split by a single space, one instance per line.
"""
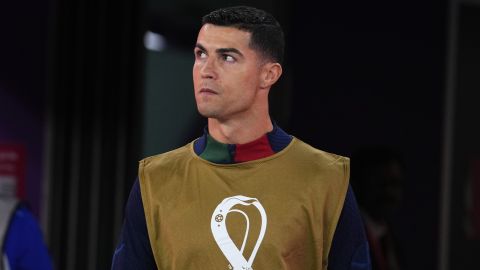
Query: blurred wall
x=95 y=92
x=461 y=204
x=373 y=73
x=169 y=107
x=23 y=63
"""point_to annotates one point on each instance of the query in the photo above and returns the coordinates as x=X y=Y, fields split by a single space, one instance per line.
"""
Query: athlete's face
x=226 y=72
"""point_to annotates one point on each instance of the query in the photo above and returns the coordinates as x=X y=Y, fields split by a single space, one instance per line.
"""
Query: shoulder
x=23 y=222
x=167 y=159
x=24 y=227
x=319 y=159
x=163 y=167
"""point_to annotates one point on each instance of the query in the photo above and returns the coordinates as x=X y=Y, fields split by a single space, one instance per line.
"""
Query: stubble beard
x=207 y=112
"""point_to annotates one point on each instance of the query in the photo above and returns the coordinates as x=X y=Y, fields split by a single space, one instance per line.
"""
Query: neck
x=239 y=131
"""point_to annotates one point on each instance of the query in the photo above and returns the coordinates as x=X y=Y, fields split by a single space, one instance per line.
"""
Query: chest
x=215 y=222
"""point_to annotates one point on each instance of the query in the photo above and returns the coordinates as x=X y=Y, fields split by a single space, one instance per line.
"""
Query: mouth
x=207 y=91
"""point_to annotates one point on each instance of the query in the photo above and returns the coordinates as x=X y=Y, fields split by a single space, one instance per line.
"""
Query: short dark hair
x=266 y=33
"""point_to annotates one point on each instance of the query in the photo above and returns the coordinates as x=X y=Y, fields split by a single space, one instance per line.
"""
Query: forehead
x=213 y=36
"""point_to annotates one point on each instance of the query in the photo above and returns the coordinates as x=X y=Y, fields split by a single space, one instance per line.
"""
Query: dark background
x=375 y=75
x=356 y=74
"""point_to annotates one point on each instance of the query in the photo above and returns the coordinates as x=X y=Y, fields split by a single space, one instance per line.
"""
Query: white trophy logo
x=220 y=233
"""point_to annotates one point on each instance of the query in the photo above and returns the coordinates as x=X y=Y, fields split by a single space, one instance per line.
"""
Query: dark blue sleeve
x=24 y=244
x=134 y=250
x=349 y=250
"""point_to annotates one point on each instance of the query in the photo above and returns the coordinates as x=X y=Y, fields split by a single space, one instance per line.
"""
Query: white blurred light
x=154 y=41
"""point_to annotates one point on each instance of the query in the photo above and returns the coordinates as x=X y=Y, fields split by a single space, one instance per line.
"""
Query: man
x=245 y=195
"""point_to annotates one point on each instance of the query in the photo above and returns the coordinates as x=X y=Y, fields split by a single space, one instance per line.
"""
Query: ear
x=271 y=72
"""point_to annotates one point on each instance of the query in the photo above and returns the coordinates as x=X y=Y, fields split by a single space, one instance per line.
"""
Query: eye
x=200 y=54
x=229 y=58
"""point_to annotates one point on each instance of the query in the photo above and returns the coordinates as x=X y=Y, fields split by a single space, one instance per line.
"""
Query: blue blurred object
x=23 y=246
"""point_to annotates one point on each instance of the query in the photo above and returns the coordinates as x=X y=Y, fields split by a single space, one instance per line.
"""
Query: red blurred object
x=12 y=170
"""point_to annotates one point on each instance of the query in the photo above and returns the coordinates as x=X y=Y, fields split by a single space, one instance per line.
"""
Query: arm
x=24 y=244
x=134 y=250
x=349 y=249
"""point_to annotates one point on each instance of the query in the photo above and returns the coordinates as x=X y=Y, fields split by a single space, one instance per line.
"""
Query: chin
x=205 y=112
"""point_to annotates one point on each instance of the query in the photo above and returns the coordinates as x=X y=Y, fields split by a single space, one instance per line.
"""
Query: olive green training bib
x=278 y=212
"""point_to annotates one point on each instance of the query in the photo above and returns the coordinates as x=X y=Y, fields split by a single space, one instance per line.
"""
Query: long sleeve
x=134 y=250
x=349 y=249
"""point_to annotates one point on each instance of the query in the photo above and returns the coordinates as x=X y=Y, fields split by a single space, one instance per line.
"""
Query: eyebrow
x=221 y=50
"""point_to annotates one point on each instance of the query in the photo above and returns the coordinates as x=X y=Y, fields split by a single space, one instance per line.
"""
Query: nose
x=207 y=71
